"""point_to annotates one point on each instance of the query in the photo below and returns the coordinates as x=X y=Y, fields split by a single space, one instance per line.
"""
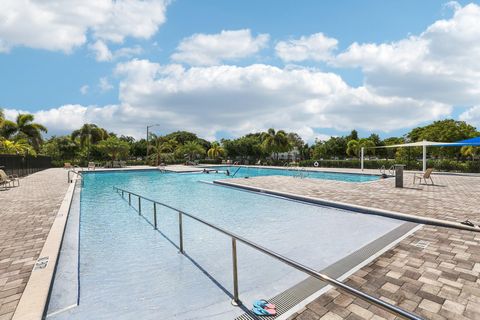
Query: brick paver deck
x=26 y=215
x=440 y=281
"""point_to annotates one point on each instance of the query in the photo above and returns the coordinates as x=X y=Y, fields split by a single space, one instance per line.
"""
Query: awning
x=420 y=144
x=469 y=142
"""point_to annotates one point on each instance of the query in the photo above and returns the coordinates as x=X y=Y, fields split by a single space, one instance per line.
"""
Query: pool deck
x=26 y=216
x=440 y=281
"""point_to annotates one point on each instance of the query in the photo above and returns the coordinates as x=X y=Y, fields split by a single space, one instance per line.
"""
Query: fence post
x=235 y=300
x=139 y=205
x=180 y=230
x=155 y=215
x=129 y=199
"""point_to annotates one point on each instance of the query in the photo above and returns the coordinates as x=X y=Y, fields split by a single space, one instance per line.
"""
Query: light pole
x=148 y=127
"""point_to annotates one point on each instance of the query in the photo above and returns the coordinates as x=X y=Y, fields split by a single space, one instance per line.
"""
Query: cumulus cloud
x=439 y=64
x=66 y=118
x=63 y=25
x=472 y=115
x=212 y=49
x=102 y=52
x=316 y=47
x=237 y=100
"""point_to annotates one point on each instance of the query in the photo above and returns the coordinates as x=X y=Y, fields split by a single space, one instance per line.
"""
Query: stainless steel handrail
x=77 y=173
x=236 y=301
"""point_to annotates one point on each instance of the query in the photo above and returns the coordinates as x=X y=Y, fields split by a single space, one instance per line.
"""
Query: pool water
x=241 y=172
x=130 y=271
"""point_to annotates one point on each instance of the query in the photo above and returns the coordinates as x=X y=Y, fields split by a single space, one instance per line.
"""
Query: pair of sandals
x=264 y=308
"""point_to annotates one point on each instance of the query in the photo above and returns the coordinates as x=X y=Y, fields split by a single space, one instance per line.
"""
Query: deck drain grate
x=422 y=244
x=296 y=294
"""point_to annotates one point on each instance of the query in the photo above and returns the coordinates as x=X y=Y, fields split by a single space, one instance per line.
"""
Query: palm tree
x=191 y=150
x=275 y=142
x=354 y=147
x=114 y=147
x=89 y=134
x=20 y=146
x=469 y=151
x=163 y=148
x=215 y=151
x=24 y=128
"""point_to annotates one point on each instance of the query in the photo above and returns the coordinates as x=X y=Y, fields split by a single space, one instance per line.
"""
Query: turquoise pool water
x=130 y=271
x=255 y=171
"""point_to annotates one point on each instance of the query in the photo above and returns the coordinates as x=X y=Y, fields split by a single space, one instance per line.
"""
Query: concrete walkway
x=26 y=215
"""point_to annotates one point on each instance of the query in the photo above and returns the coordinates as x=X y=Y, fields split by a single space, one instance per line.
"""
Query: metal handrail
x=77 y=173
x=236 y=171
x=236 y=301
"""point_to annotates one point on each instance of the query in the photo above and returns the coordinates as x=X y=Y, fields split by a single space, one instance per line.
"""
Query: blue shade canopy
x=469 y=142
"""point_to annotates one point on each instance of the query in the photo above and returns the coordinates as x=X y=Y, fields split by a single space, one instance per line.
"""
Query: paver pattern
x=26 y=216
x=451 y=198
x=440 y=281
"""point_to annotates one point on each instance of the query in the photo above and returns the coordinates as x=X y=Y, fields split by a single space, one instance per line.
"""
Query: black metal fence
x=23 y=165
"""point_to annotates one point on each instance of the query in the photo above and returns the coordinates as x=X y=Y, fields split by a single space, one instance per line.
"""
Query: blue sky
x=395 y=78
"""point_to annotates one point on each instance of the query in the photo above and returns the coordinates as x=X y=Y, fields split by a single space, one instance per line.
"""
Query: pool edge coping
x=352 y=207
x=352 y=270
x=33 y=301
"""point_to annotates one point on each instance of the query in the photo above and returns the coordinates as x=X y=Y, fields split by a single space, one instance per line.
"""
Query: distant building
x=292 y=155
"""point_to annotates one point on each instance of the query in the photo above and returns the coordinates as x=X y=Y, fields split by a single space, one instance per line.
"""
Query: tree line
x=93 y=143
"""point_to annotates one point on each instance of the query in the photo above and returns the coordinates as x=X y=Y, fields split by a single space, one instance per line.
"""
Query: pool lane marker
x=354 y=207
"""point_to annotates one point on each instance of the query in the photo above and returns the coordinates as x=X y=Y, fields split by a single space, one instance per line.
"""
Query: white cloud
x=70 y=117
x=316 y=47
x=212 y=49
x=105 y=85
x=322 y=137
x=472 y=116
x=84 y=89
x=440 y=64
x=63 y=25
x=238 y=100
x=224 y=98
x=101 y=51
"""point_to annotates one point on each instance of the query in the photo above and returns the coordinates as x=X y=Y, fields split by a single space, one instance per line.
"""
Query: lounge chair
x=91 y=165
x=423 y=176
x=123 y=164
x=8 y=180
x=67 y=165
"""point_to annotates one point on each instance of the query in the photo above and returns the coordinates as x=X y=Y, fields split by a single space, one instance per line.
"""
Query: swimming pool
x=241 y=172
x=128 y=270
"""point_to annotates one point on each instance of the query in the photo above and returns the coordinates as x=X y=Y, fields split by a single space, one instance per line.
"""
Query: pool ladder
x=234 y=238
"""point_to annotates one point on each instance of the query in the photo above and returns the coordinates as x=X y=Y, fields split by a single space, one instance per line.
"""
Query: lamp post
x=148 y=127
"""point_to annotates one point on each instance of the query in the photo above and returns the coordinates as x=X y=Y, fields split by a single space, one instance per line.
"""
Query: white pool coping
x=353 y=207
x=34 y=299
